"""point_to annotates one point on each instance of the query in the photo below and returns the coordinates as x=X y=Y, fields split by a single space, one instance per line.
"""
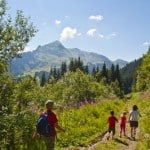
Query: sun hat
x=49 y=103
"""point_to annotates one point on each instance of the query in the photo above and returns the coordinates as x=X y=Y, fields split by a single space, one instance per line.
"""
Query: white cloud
x=101 y=36
x=66 y=16
x=57 y=22
x=68 y=33
x=79 y=34
x=146 y=44
x=97 y=18
x=110 y=36
x=91 y=32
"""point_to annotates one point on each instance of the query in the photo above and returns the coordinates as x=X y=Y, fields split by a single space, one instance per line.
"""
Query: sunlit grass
x=85 y=124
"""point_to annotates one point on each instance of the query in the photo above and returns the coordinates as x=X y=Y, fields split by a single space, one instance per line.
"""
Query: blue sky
x=118 y=29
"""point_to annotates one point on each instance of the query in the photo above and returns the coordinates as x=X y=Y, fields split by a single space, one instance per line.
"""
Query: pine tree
x=118 y=75
x=71 y=65
x=104 y=72
x=94 y=72
x=112 y=73
x=43 y=79
x=86 y=69
x=63 y=68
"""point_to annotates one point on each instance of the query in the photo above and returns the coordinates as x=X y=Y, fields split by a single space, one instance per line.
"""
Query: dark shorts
x=134 y=124
x=111 y=130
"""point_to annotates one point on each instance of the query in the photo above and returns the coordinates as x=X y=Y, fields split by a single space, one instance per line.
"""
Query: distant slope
x=121 y=62
x=129 y=73
x=53 y=54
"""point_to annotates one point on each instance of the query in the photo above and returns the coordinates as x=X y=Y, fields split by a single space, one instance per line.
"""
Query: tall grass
x=85 y=124
x=144 y=137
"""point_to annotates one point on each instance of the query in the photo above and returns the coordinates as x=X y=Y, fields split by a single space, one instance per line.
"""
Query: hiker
x=111 y=123
x=133 y=119
x=123 y=124
x=52 y=120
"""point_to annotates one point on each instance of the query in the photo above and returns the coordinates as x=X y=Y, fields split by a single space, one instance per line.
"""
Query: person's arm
x=59 y=127
x=35 y=134
x=140 y=114
x=116 y=119
x=125 y=119
x=108 y=120
x=129 y=117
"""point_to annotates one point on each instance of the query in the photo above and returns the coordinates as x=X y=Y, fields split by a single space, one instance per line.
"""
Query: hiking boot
x=108 y=137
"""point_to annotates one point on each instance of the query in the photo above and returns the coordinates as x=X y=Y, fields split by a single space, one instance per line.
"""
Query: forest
x=82 y=99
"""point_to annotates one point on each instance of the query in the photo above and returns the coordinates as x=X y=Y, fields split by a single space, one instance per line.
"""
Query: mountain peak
x=56 y=44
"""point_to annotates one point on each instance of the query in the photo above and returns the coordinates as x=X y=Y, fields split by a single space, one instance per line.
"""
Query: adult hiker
x=49 y=138
x=133 y=119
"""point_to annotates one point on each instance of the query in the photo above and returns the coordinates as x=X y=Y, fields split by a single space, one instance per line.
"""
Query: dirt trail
x=127 y=142
x=124 y=143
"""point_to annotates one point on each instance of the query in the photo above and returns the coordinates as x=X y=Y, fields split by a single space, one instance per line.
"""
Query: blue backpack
x=43 y=127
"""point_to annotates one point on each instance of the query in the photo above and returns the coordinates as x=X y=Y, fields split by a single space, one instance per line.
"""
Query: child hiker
x=123 y=124
x=111 y=124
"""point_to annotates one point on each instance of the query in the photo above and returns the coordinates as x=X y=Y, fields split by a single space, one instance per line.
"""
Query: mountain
x=53 y=54
x=121 y=62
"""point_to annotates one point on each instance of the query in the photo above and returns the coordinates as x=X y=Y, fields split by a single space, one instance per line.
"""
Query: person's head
x=112 y=112
x=49 y=104
x=135 y=107
x=124 y=113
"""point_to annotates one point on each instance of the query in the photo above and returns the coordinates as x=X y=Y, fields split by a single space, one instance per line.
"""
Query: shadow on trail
x=131 y=139
x=98 y=138
x=120 y=141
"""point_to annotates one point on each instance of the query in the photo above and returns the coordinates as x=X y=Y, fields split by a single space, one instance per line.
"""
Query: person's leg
x=113 y=132
x=120 y=130
x=131 y=132
x=134 y=132
x=131 y=125
x=109 y=131
x=124 y=129
x=50 y=142
x=134 y=129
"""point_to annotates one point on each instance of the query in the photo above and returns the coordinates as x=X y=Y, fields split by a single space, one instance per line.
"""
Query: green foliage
x=76 y=87
x=128 y=74
x=25 y=92
x=143 y=103
x=15 y=34
x=143 y=74
x=6 y=91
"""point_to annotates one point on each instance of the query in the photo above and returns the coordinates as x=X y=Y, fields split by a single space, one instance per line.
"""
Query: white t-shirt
x=134 y=115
